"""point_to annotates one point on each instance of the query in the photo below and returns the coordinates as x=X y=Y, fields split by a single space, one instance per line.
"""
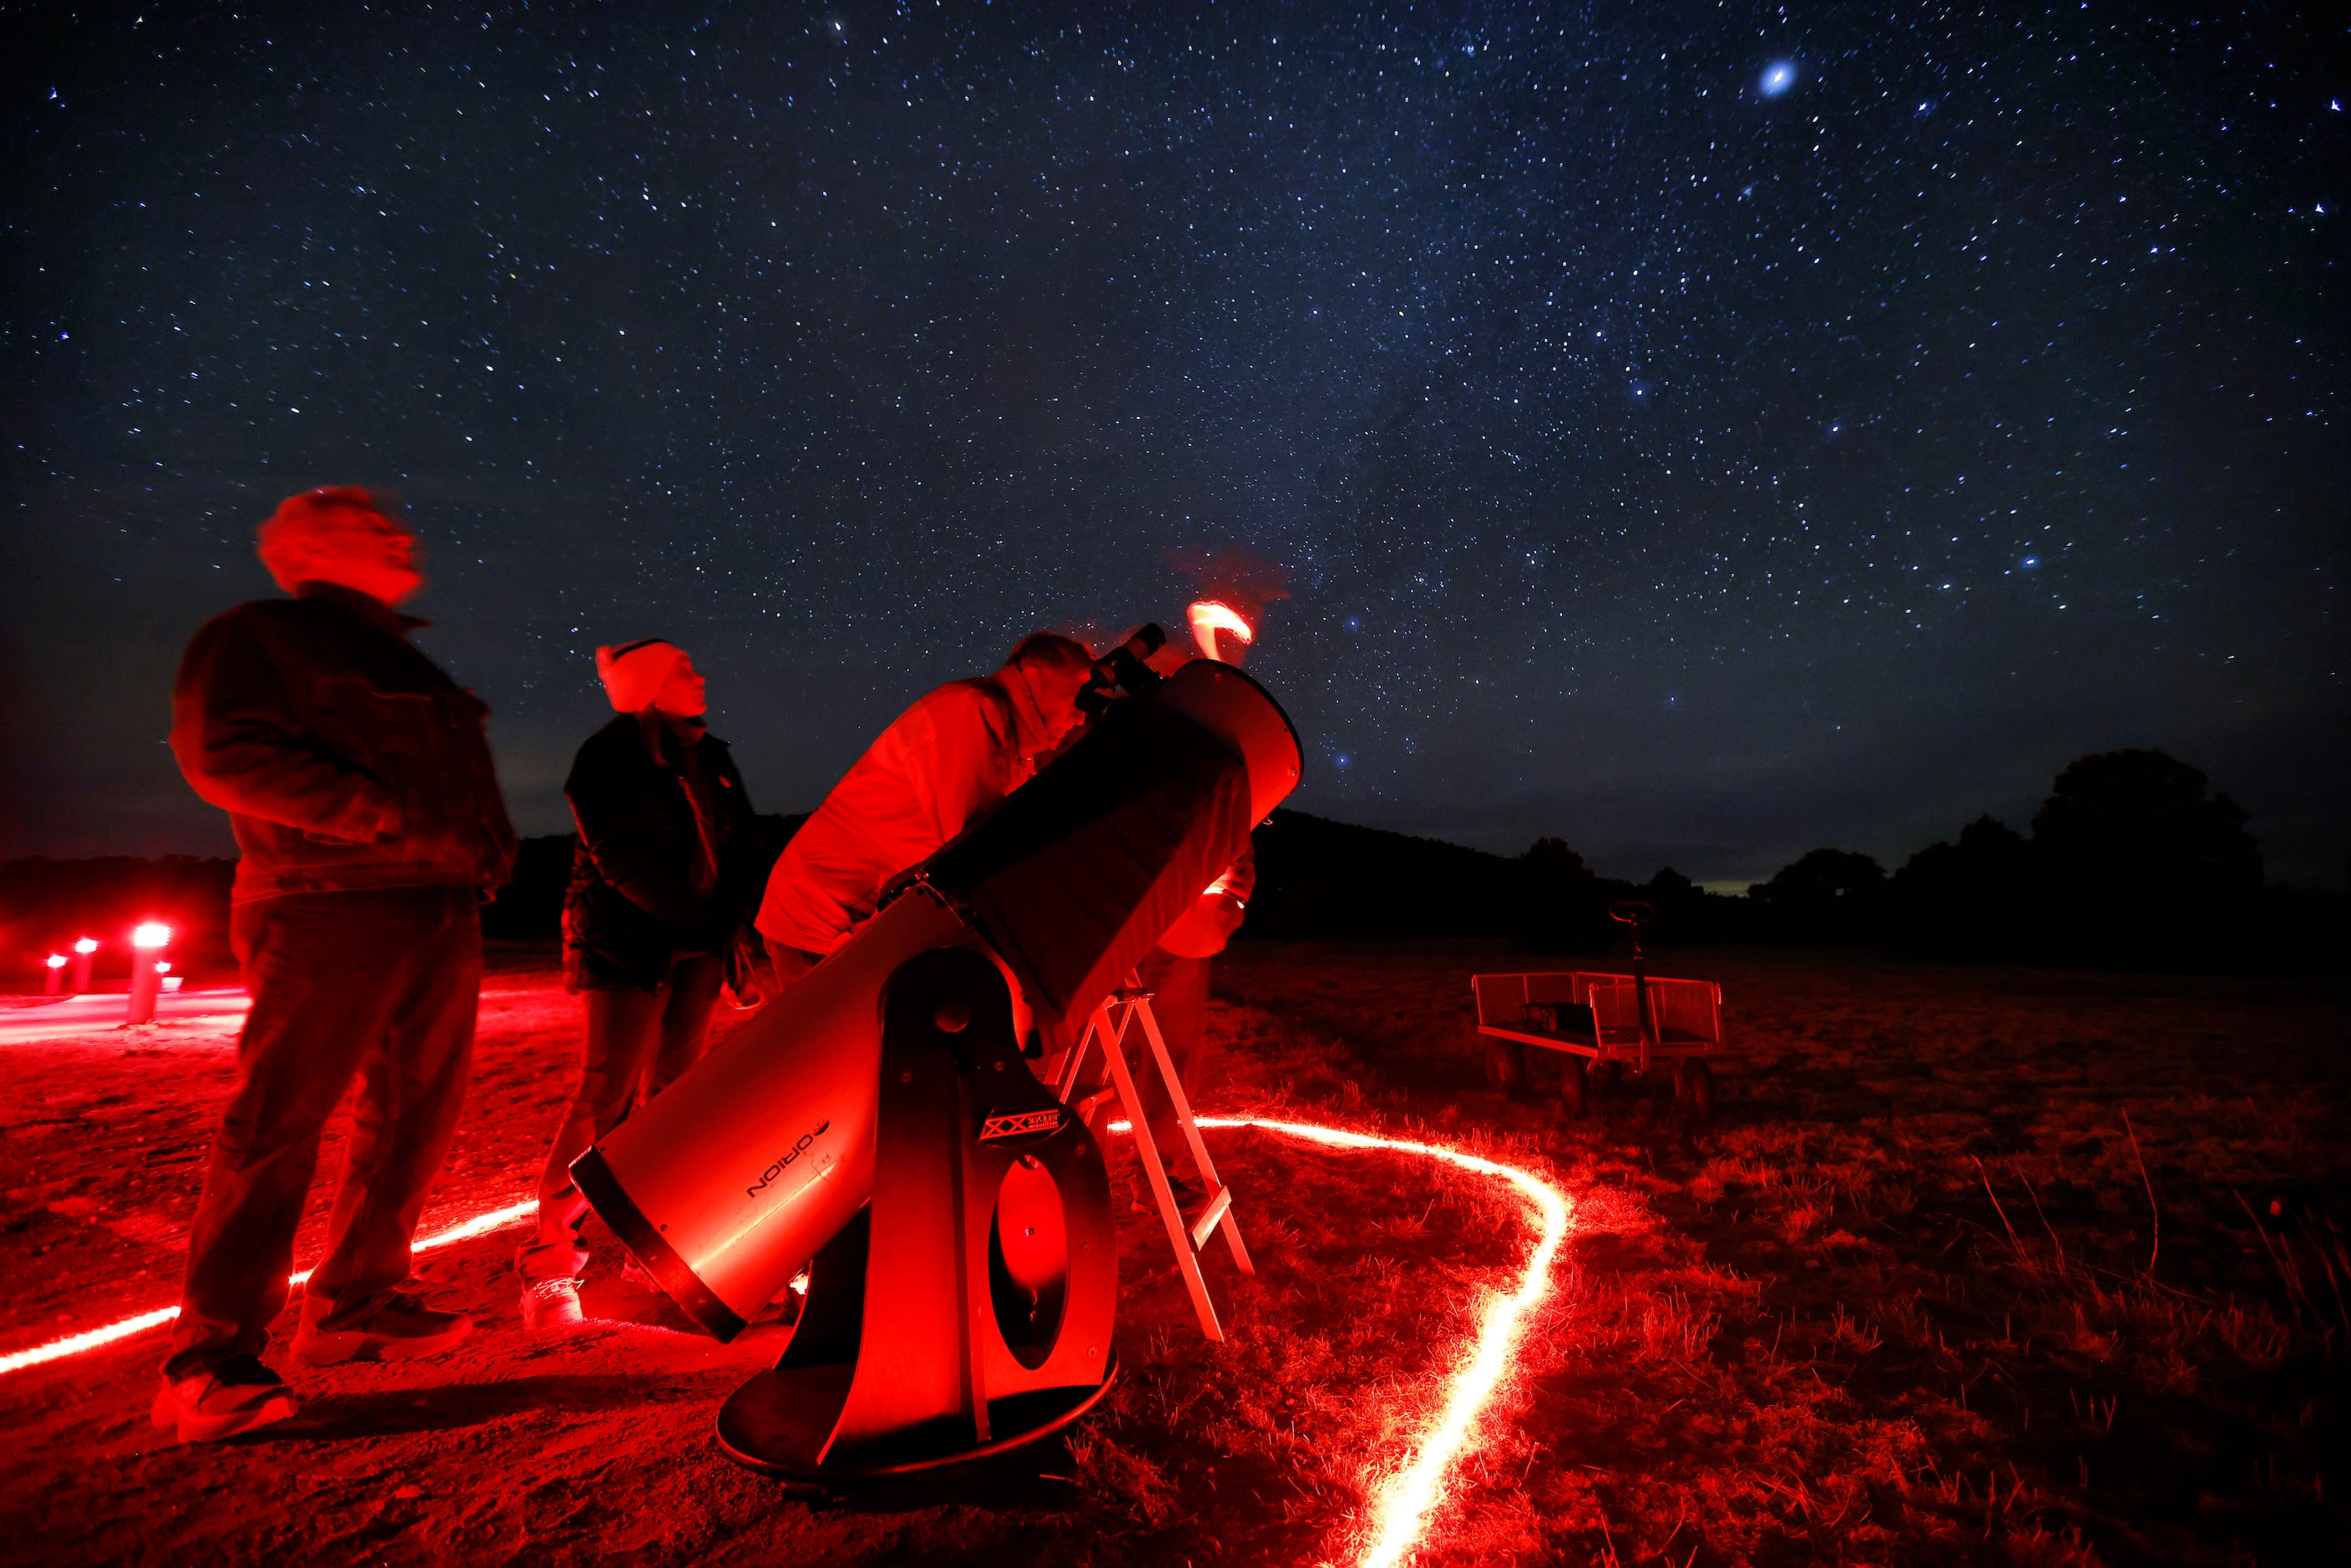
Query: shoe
x=552 y=1304
x=1187 y=1193
x=217 y=1402
x=402 y=1328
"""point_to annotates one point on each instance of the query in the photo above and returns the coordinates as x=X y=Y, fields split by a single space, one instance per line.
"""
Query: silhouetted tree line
x=2133 y=861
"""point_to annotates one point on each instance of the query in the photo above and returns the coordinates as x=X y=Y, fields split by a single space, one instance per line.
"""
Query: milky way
x=1702 y=434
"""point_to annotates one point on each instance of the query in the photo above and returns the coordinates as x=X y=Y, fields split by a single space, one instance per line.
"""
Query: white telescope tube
x=751 y=1161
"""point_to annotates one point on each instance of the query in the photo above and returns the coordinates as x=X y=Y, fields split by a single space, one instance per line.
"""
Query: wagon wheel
x=1506 y=1068
x=1573 y=1096
x=1694 y=1082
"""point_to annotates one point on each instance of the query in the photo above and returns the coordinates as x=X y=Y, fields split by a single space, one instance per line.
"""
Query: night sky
x=1702 y=432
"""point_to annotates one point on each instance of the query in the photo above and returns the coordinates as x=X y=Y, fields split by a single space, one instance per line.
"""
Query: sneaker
x=220 y=1401
x=552 y=1304
x=402 y=1328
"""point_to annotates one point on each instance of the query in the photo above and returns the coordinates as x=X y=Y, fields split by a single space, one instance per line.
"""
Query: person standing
x=662 y=878
x=360 y=785
x=943 y=764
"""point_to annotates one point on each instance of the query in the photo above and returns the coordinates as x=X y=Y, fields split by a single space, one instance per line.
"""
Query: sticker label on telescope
x=785 y=1163
x=1020 y=1124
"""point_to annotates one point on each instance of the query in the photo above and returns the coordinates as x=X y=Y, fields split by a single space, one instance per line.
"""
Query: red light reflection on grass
x=1401 y=1510
x=1400 y=1513
x=93 y=1339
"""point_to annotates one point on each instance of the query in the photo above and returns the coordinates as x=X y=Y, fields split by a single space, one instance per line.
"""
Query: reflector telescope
x=970 y=1305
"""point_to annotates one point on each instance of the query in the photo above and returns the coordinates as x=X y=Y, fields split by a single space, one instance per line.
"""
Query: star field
x=1699 y=432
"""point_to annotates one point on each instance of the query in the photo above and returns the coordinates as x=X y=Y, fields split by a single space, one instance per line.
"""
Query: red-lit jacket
x=344 y=757
x=667 y=859
x=942 y=763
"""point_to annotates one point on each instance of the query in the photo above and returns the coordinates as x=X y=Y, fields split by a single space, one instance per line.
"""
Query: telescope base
x=778 y=1423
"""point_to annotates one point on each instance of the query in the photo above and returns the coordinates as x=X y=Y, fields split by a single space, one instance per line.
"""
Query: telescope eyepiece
x=1123 y=672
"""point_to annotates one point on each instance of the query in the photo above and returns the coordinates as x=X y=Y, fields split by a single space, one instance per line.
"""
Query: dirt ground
x=1906 y=1302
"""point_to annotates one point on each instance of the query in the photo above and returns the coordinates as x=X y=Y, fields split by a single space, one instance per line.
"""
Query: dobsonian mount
x=877 y=1122
x=971 y=1310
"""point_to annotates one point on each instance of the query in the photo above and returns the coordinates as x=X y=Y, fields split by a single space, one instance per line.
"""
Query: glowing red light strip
x=1401 y=1511
x=92 y=1339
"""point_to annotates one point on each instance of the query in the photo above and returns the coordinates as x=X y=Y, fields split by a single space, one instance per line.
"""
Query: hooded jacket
x=667 y=859
x=345 y=758
x=942 y=765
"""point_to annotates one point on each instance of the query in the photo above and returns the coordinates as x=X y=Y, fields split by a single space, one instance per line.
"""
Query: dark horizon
x=1695 y=468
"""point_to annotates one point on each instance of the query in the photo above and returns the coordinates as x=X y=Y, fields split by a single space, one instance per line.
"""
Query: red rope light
x=1402 y=1510
x=94 y=1339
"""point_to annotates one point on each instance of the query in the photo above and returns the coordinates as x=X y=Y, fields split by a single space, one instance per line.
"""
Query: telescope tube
x=725 y=1185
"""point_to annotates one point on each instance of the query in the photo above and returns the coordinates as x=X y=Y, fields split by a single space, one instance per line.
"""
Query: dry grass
x=1976 y=1266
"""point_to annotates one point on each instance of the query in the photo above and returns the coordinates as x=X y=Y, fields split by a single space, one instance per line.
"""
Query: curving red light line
x=92 y=1339
x=1400 y=1513
x=1401 y=1510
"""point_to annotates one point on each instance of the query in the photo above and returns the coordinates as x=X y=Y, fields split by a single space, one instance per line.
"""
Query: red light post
x=84 y=952
x=57 y=963
x=146 y=970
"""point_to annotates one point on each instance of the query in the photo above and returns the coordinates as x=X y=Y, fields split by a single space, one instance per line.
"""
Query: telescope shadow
x=450 y=1407
x=1039 y=1477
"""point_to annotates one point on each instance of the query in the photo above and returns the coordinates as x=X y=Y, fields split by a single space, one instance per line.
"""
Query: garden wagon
x=1604 y=1025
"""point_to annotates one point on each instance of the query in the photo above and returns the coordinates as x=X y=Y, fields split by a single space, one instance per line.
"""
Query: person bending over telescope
x=664 y=870
x=879 y=1124
x=360 y=788
x=942 y=765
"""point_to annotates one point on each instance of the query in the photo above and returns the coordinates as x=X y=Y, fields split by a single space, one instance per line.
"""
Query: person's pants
x=636 y=1039
x=383 y=984
x=1179 y=1001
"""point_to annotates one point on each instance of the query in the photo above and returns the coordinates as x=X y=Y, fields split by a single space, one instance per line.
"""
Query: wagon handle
x=1637 y=912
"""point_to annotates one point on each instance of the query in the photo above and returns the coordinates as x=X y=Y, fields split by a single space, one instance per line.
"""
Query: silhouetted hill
x=1318 y=879
x=2133 y=862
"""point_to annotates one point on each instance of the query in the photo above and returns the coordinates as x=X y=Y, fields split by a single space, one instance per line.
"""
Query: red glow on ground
x=1404 y=1504
x=93 y=1339
x=1402 y=1509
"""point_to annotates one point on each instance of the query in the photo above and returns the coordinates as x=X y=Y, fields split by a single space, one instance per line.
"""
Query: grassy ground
x=1976 y=1265
x=1906 y=1302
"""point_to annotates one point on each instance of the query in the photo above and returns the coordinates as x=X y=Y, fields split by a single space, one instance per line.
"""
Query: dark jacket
x=344 y=757
x=648 y=879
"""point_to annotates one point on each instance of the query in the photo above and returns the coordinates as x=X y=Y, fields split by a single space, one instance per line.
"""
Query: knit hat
x=635 y=672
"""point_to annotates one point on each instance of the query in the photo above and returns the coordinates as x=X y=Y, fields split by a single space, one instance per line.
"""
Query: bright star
x=1778 y=77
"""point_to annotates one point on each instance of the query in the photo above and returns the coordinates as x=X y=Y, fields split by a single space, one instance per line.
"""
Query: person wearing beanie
x=664 y=875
